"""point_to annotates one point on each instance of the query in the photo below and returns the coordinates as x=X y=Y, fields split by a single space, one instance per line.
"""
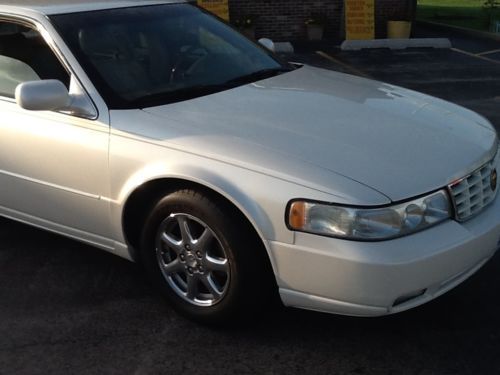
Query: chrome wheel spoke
x=187 y=238
x=173 y=267
x=211 y=286
x=204 y=240
x=172 y=243
x=213 y=264
x=192 y=287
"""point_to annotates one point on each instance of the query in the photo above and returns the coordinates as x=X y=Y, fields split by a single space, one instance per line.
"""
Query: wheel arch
x=140 y=201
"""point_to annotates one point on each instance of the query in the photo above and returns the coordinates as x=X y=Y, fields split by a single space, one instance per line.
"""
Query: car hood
x=398 y=142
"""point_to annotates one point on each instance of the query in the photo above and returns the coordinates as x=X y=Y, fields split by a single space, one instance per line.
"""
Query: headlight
x=369 y=224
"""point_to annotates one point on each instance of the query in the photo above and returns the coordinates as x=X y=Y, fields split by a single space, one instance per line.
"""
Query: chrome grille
x=474 y=192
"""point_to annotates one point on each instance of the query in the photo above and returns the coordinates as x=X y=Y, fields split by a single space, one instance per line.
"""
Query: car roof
x=49 y=7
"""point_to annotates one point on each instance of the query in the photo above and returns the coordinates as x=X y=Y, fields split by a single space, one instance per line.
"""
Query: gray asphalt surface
x=462 y=40
x=66 y=308
x=71 y=309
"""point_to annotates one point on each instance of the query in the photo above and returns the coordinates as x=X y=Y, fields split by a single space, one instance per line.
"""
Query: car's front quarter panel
x=261 y=198
x=261 y=192
x=136 y=160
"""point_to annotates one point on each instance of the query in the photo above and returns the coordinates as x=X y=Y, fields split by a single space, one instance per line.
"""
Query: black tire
x=248 y=285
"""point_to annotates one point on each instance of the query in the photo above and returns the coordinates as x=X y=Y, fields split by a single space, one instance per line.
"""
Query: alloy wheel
x=192 y=259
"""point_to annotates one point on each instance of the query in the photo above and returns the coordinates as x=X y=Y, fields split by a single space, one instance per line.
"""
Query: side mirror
x=52 y=95
x=268 y=43
x=45 y=95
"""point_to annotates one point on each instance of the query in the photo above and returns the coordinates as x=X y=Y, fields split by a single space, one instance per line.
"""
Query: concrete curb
x=462 y=30
x=356 y=45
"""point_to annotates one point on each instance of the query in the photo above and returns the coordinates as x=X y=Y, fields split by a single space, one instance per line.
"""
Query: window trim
x=34 y=24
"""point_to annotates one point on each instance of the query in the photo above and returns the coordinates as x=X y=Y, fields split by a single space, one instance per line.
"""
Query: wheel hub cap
x=191 y=261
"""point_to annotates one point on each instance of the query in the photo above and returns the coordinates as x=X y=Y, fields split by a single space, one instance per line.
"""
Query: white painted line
x=476 y=56
x=343 y=64
x=488 y=52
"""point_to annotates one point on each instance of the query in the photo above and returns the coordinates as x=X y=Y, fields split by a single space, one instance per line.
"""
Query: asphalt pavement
x=465 y=40
x=71 y=309
x=66 y=308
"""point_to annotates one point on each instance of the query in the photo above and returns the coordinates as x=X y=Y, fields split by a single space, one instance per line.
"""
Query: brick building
x=284 y=19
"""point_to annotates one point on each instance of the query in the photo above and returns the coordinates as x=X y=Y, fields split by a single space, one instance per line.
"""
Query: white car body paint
x=310 y=133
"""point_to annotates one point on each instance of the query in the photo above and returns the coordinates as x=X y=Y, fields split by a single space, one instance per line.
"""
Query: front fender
x=261 y=198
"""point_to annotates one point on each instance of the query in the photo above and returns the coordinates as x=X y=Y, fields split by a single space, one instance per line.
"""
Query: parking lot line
x=488 y=52
x=343 y=64
x=477 y=56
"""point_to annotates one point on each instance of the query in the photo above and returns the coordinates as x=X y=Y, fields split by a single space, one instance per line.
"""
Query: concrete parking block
x=356 y=45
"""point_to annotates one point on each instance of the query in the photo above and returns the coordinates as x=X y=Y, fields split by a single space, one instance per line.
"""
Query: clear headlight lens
x=373 y=224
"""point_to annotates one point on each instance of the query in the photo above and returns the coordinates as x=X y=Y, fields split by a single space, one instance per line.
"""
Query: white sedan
x=156 y=132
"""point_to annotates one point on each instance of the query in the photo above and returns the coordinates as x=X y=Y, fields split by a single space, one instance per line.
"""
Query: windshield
x=151 y=55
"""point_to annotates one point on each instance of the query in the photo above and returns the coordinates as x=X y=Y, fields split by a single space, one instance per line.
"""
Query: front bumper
x=379 y=278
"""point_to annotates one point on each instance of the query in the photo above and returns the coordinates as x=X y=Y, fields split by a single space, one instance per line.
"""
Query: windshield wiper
x=197 y=91
x=178 y=95
x=258 y=75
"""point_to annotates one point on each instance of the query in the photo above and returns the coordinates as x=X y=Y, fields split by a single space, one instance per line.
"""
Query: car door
x=53 y=166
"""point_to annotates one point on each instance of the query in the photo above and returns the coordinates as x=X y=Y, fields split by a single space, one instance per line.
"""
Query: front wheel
x=203 y=259
x=192 y=259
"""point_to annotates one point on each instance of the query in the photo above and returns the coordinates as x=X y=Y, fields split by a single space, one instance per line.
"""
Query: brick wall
x=284 y=19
